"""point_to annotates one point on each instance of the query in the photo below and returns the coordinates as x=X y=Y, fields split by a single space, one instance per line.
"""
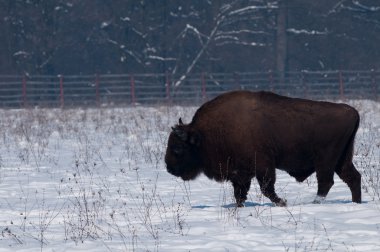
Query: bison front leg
x=266 y=182
x=240 y=191
x=325 y=180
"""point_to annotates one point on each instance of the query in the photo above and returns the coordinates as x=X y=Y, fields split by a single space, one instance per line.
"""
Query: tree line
x=51 y=37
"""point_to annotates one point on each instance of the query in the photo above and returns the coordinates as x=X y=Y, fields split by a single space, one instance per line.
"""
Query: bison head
x=182 y=154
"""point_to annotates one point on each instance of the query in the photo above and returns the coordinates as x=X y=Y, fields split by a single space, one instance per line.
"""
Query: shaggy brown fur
x=240 y=135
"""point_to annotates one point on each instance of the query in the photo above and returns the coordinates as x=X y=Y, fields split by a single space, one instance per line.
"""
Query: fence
x=97 y=90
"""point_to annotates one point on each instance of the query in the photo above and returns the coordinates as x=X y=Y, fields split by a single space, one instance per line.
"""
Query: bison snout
x=185 y=176
x=173 y=171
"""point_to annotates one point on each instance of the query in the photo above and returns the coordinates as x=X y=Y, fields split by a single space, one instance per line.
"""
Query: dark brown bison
x=241 y=134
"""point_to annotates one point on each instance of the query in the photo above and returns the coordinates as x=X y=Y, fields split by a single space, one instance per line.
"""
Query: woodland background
x=50 y=37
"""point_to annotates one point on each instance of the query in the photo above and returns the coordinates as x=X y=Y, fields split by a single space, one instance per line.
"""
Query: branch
x=226 y=14
x=200 y=53
x=307 y=32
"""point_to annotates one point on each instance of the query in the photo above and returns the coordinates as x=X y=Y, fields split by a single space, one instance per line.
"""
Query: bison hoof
x=240 y=204
x=281 y=203
x=319 y=199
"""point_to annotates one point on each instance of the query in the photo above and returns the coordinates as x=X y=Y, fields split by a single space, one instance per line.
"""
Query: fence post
x=374 y=84
x=304 y=84
x=271 y=88
x=61 y=93
x=167 y=87
x=341 y=85
x=203 y=83
x=24 y=101
x=97 y=90
x=133 y=95
x=237 y=80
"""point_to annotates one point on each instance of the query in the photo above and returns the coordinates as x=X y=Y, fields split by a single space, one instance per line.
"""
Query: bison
x=241 y=134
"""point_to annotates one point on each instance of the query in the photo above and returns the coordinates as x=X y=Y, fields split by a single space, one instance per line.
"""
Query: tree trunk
x=281 y=39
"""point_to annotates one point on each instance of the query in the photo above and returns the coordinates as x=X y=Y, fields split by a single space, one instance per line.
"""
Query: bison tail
x=346 y=169
x=348 y=153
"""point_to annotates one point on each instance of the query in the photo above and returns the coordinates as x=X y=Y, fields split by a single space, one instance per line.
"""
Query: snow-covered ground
x=95 y=180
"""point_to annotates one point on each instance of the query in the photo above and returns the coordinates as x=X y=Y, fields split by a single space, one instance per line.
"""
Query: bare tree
x=236 y=23
x=183 y=37
x=281 y=37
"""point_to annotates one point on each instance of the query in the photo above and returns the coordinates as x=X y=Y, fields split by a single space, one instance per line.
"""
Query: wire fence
x=148 y=89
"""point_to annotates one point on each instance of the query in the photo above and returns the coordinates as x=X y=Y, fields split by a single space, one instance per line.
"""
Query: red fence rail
x=97 y=90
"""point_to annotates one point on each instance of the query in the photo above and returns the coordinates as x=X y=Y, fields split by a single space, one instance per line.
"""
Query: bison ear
x=187 y=135
x=180 y=132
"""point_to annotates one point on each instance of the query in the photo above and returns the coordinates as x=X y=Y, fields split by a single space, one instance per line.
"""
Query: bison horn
x=180 y=121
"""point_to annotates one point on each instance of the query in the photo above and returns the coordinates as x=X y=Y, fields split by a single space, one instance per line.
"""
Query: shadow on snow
x=253 y=204
x=233 y=205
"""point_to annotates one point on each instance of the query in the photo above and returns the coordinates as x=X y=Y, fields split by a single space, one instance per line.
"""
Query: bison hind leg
x=352 y=178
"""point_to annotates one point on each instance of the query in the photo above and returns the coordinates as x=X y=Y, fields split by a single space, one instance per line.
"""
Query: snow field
x=95 y=180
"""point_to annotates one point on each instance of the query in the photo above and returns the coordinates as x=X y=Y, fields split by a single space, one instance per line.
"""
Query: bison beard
x=240 y=135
